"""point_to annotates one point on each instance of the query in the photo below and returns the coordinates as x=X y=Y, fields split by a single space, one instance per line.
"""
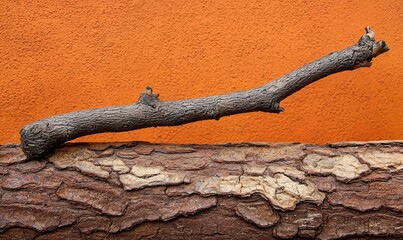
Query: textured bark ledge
x=234 y=191
x=41 y=137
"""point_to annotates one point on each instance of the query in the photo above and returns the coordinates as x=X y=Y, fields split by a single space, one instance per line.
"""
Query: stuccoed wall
x=62 y=56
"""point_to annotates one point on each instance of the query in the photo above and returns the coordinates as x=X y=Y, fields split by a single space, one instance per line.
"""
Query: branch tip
x=369 y=32
x=368 y=39
x=379 y=48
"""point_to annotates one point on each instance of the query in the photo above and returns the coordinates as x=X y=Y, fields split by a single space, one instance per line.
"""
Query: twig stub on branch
x=148 y=98
x=41 y=137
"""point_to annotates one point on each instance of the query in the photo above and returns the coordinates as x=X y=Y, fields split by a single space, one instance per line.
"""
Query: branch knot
x=148 y=98
x=273 y=107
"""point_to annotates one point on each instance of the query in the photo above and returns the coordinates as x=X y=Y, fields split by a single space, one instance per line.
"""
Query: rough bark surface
x=234 y=191
x=41 y=137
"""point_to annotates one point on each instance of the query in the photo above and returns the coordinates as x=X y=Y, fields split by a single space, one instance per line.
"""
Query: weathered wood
x=234 y=191
x=41 y=137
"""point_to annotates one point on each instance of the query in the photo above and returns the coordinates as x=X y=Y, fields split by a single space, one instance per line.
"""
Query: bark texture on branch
x=41 y=137
x=233 y=191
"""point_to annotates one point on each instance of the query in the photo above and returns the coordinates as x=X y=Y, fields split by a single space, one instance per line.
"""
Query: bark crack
x=224 y=197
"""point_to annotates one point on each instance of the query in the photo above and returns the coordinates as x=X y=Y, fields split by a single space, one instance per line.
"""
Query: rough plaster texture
x=62 y=56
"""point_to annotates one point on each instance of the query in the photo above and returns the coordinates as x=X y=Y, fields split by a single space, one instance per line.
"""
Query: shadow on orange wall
x=62 y=56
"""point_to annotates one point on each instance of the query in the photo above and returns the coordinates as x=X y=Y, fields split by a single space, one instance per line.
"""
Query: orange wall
x=63 y=56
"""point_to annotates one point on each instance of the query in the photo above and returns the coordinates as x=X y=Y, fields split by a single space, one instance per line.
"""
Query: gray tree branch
x=41 y=137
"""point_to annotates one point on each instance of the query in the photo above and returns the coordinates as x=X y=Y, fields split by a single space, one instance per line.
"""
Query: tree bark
x=233 y=191
x=41 y=137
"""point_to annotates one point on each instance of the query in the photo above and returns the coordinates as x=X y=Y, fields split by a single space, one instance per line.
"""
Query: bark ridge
x=139 y=190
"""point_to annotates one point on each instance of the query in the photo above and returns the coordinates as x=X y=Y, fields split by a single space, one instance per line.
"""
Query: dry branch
x=234 y=191
x=43 y=136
